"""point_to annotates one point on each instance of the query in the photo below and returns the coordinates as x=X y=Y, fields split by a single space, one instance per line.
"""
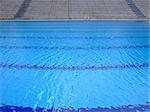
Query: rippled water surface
x=77 y=64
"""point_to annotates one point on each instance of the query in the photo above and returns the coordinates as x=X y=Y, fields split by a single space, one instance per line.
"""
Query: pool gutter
x=74 y=20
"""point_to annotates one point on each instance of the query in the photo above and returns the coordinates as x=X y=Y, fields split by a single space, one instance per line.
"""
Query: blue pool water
x=75 y=64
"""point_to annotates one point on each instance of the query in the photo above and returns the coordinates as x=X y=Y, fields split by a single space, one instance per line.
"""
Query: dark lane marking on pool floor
x=72 y=68
x=75 y=48
x=84 y=37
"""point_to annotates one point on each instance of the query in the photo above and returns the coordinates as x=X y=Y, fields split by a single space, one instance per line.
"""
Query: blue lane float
x=72 y=68
x=128 y=108
x=76 y=37
x=75 y=48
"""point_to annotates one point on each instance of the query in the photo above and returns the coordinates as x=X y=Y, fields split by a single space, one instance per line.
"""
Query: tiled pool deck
x=74 y=9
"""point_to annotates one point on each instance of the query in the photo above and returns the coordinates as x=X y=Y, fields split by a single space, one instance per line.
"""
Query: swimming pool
x=84 y=65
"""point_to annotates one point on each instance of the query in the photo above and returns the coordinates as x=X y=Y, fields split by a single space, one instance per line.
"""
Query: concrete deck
x=74 y=9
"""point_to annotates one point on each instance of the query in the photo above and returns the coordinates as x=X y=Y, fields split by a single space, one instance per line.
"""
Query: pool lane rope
x=125 y=108
x=73 y=68
x=69 y=37
x=75 y=48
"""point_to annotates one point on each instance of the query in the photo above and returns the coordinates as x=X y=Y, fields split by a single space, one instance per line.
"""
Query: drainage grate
x=135 y=9
x=23 y=8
